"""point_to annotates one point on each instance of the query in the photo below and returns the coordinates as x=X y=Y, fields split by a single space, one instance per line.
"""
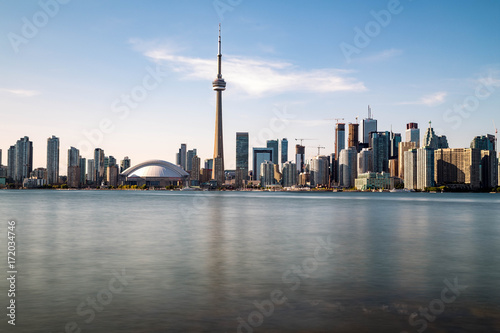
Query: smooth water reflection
x=200 y=260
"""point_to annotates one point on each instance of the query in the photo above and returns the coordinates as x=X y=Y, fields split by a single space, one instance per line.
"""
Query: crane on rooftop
x=303 y=140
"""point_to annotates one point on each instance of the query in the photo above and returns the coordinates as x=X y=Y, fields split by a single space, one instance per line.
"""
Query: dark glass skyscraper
x=339 y=138
x=53 y=160
x=241 y=155
x=380 y=143
x=274 y=145
x=284 y=151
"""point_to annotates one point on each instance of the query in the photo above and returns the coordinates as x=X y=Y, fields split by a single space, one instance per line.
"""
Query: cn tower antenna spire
x=219 y=58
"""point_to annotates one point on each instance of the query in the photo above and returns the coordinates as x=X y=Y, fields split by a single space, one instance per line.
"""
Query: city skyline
x=56 y=85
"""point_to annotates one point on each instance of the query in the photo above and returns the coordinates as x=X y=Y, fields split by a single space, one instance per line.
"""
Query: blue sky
x=290 y=67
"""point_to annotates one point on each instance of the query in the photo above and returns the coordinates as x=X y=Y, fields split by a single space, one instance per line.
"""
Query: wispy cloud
x=257 y=77
x=428 y=100
x=380 y=56
x=21 y=92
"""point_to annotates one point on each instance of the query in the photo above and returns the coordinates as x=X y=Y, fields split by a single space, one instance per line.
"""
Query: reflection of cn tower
x=219 y=85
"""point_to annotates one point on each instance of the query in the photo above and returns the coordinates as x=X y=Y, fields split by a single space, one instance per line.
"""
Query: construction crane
x=303 y=140
x=336 y=119
x=318 y=147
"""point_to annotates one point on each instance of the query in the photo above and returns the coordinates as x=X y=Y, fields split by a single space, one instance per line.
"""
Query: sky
x=135 y=77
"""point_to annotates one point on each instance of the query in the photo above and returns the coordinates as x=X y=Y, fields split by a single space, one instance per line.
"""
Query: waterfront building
x=319 y=174
x=90 y=172
x=347 y=167
x=74 y=170
x=52 y=160
x=98 y=166
x=125 y=164
x=353 y=138
x=458 y=167
x=154 y=173
x=274 y=145
x=365 y=160
x=267 y=173
x=404 y=147
x=289 y=174
x=413 y=134
x=300 y=158
x=425 y=167
x=410 y=169
x=260 y=155
x=241 y=158
x=369 y=126
x=374 y=181
x=24 y=159
x=284 y=151
x=380 y=145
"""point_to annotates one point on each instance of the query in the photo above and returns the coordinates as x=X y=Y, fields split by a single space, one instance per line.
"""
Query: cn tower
x=219 y=85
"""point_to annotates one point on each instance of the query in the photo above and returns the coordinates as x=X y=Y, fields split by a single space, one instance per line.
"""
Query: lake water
x=157 y=261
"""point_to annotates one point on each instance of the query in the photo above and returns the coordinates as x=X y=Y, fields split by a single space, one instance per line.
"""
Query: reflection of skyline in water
x=200 y=271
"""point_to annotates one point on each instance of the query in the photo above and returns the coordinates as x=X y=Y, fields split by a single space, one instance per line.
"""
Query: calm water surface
x=156 y=261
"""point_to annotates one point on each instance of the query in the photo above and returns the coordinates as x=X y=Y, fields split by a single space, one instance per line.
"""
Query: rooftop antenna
x=496 y=135
x=369 y=112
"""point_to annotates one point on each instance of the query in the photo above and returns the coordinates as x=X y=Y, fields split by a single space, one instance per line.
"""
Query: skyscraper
x=299 y=158
x=289 y=174
x=24 y=159
x=339 y=138
x=320 y=167
x=369 y=125
x=395 y=140
x=0 y=157
x=124 y=164
x=353 y=138
x=410 y=169
x=195 y=171
x=182 y=155
x=413 y=133
x=11 y=162
x=365 y=161
x=284 y=151
x=274 y=145
x=483 y=142
x=458 y=166
x=219 y=85
x=425 y=167
x=434 y=141
x=98 y=166
x=74 y=170
x=83 y=163
x=267 y=173
x=348 y=170
x=189 y=159
x=404 y=147
x=241 y=157
x=380 y=145
x=90 y=172
x=260 y=155
x=52 y=160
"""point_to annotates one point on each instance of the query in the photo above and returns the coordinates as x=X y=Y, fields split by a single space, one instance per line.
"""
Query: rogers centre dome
x=154 y=173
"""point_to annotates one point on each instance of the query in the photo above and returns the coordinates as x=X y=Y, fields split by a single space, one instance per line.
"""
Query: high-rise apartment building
x=365 y=161
x=52 y=160
x=404 y=147
x=189 y=159
x=98 y=166
x=24 y=159
x=83 y=164
x=458 y=166
x=289 y=174
x=320 y=171
x=410 y=168
x=90 y=172
x=124 y=164
x=425 y=167
x=353 y=138
x=348 y=170
x=300 y=158
x=74 y=170
x=267 y=173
